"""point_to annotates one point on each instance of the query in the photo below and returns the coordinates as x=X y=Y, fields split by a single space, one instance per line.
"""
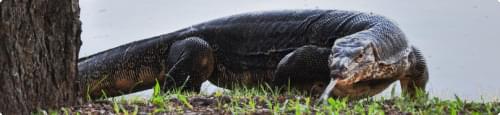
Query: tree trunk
x=39 y=44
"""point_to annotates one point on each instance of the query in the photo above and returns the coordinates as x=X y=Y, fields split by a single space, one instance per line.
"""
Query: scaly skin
x=250 y=49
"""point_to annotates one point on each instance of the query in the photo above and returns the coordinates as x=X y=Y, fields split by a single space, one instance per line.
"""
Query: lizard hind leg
x=305 y=69
x=417 y=76
x=191 y=62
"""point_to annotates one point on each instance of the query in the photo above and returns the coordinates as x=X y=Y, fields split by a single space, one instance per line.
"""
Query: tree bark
x=39 y=45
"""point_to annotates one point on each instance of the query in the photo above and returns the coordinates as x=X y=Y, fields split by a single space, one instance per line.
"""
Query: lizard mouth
x=346 y=78
x=374 y=71
x=358 y=75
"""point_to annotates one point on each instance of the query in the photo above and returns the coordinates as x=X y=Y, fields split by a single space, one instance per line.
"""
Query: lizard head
x=352 y=60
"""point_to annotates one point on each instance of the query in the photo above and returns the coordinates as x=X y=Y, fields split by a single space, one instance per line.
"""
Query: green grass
x=265 y=99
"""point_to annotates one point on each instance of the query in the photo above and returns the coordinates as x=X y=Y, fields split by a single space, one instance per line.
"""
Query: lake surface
x=460 y=39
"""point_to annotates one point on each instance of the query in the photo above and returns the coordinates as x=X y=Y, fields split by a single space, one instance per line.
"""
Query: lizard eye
x=359 y=58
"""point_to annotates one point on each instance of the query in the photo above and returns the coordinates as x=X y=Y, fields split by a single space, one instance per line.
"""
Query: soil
x=210 y=105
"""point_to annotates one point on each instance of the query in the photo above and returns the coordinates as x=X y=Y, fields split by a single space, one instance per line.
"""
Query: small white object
x=208 y=88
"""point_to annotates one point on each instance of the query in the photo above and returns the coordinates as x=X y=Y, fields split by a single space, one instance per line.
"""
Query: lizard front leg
x=306 y=69
x=191 y=62
x=416 y=76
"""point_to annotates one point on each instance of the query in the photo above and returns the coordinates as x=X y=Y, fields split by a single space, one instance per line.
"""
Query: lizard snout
x=338 y=68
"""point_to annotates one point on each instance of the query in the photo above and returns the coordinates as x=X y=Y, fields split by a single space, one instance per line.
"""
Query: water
x=458 y=38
